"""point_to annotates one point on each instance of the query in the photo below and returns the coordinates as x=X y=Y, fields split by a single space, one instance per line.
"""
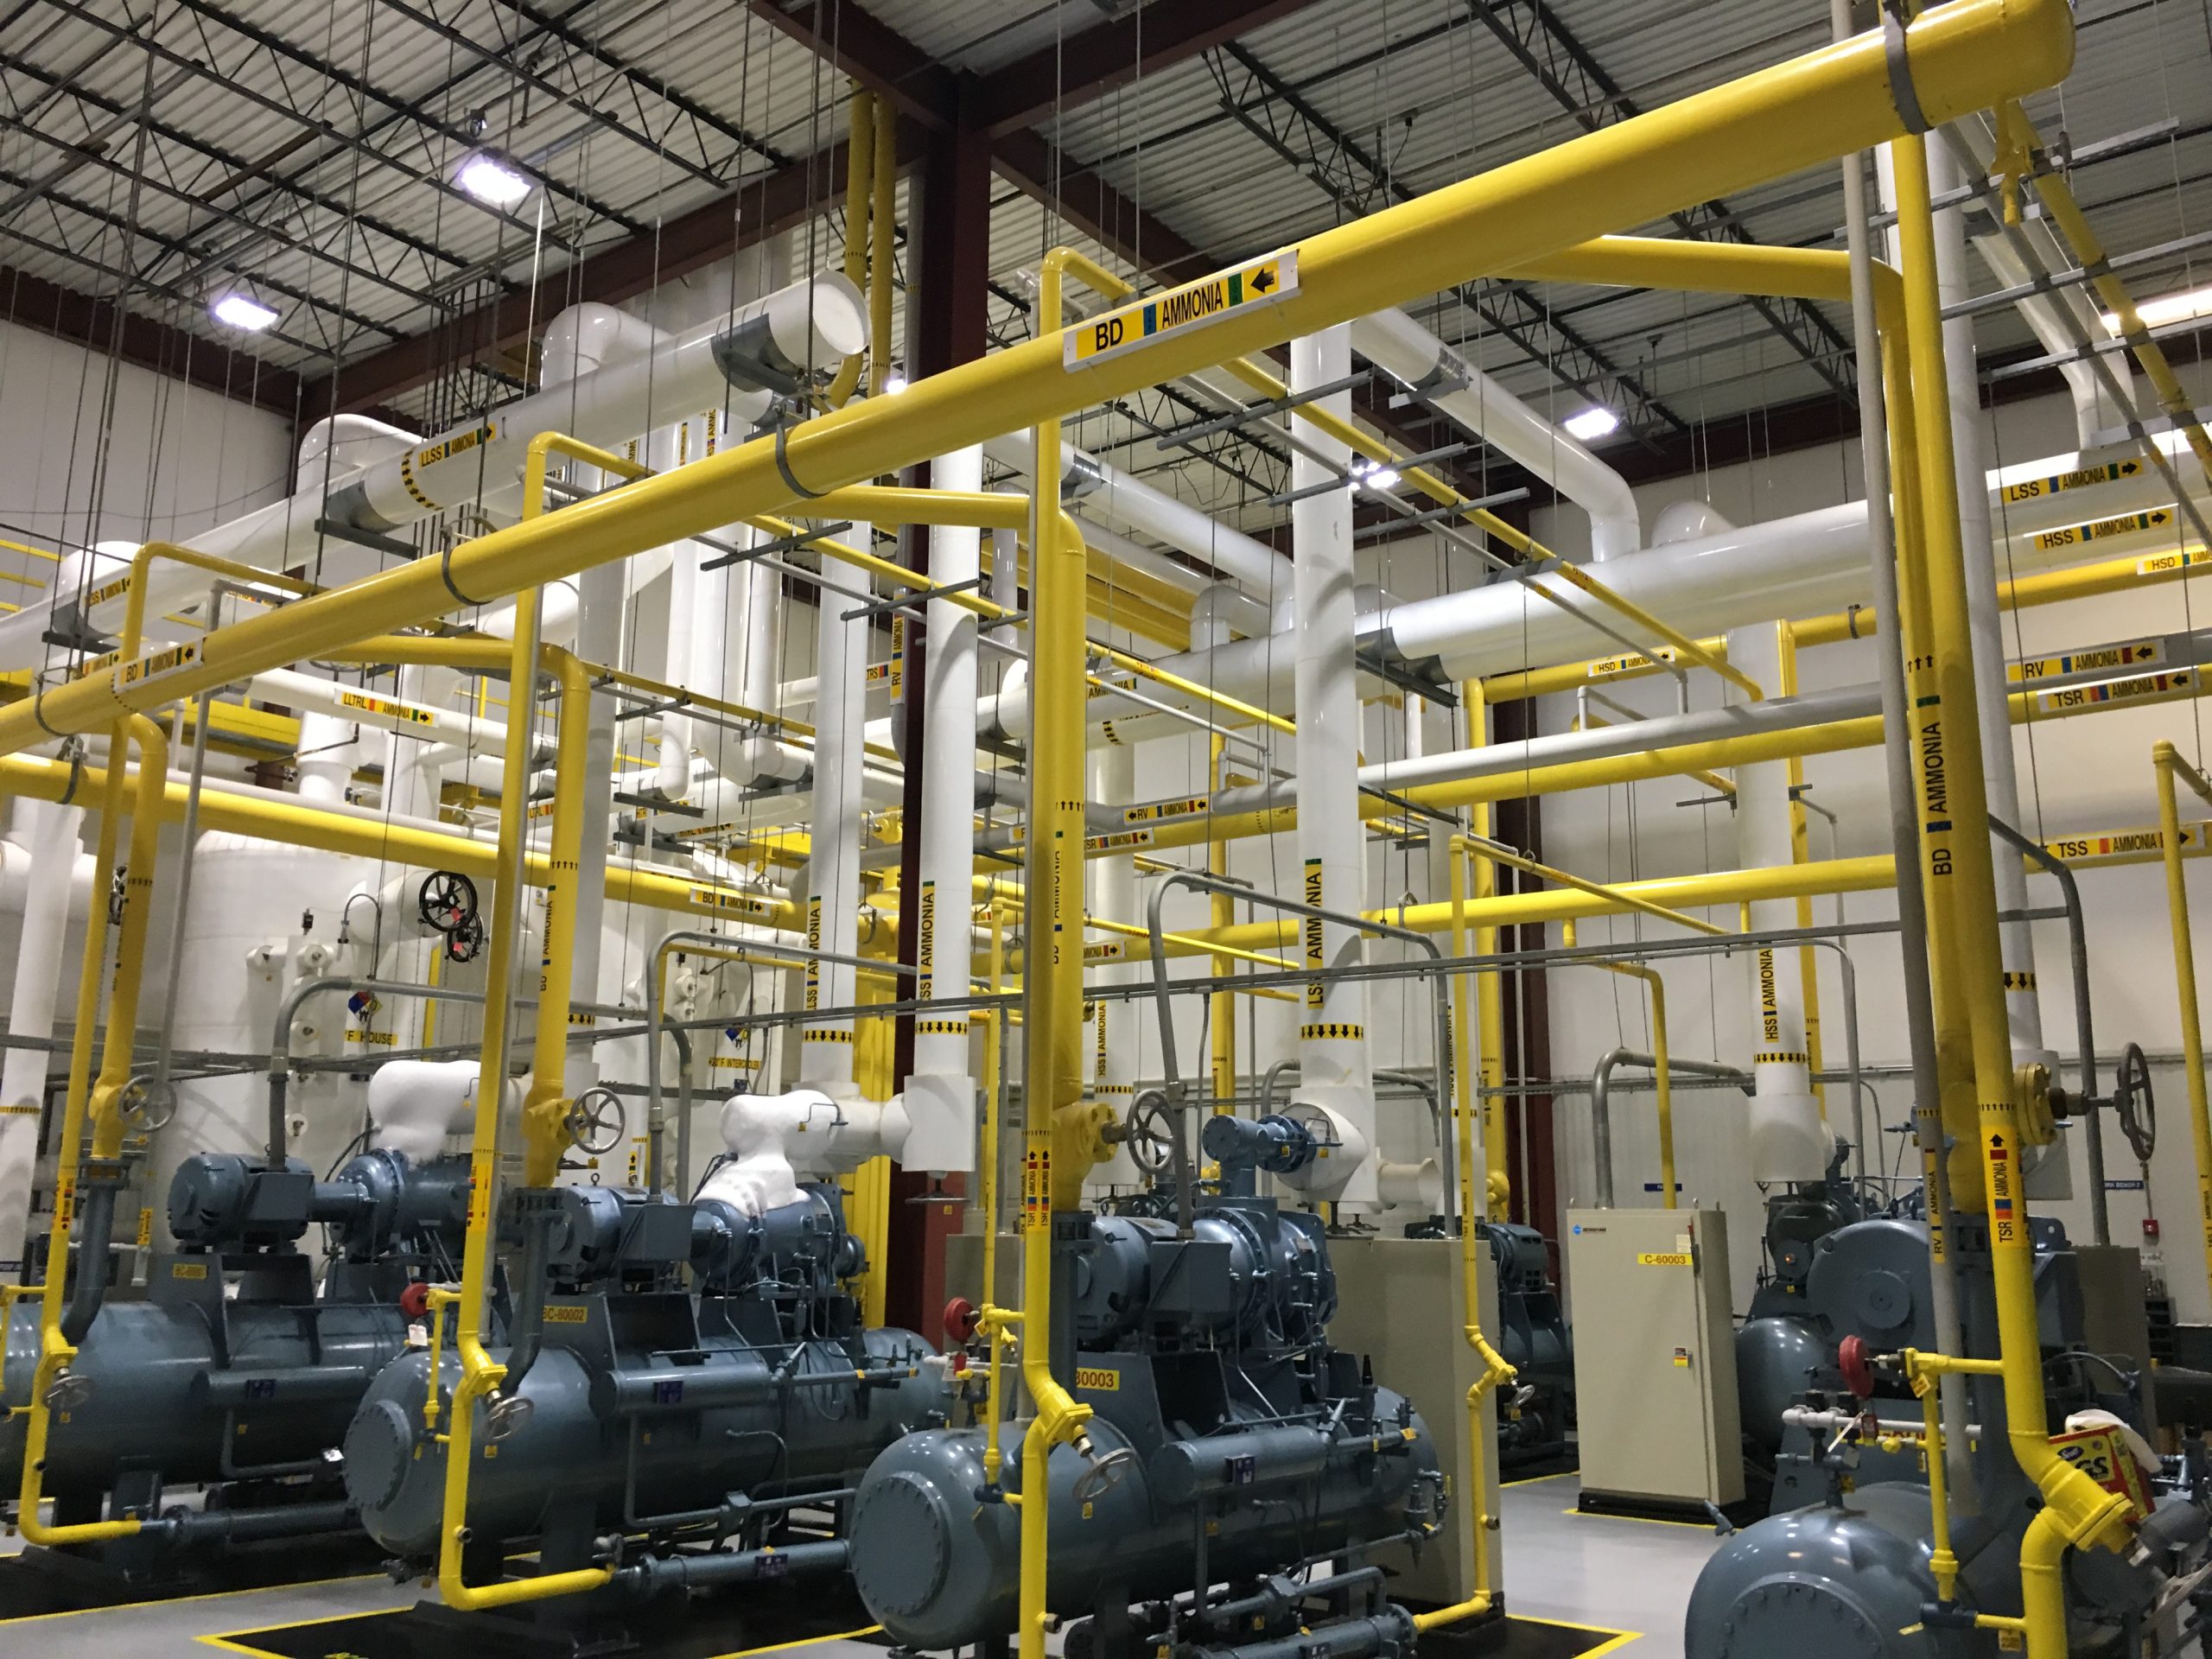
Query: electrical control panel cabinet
x=1655 y=1359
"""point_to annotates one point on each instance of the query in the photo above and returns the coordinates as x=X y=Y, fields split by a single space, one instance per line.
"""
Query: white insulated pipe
x=1133 y=504
x=1401 y=348
x=941 y=1094
x=1335 y=1091
x=57 y=876
x=1113 y=898
x=833 y=902
x=1788 y=1141
x=730 y=365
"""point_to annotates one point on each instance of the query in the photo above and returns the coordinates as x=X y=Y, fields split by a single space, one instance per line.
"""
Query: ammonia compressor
x=238 y=1372
x=634 y=1408
x=1229 y=1444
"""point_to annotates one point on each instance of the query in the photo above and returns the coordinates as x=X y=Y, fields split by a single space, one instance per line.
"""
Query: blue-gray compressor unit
x=1229 y=1443
x=238 y=1370
x=634 y=1407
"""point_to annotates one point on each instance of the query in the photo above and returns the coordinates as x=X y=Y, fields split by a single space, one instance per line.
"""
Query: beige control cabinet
x=1655 y=1358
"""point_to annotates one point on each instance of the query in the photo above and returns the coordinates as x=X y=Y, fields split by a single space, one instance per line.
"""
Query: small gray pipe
x=2077 y=942
x=1601 y=1108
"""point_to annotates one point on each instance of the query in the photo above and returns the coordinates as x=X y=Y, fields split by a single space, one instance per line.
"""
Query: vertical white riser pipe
x=941 y=1093
x=1789 y=1142
x=1114 y=898
x=833 y=898
x=414 y=777
x=51 y=835
x=2023 y=1011
x=1336 y=1090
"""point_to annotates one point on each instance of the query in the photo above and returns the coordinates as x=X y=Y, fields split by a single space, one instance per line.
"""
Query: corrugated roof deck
x=329 y=195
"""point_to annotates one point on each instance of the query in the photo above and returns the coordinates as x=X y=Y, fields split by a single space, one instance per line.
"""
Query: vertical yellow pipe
x=1955 y=842
x=860 y=150
x=882 y=239
x=2165 y=761
x=544 y=1114
x=1808 y=964
x=996 y=1319
x=1222 y=1026
x=1490 y=991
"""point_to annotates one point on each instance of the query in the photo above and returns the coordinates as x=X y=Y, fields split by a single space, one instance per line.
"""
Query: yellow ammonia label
x=2158 y=563
x=2102 y=530
x=723 y=899
x=1663 y=1258
x=156 y=665
x=2089 y=696
x=2034 y=489
x=2123 y=843
x=1105 y=950
x=385 y=706
x=1157 y=809
x=145 y=1228
x=2135 y=654
x=1097 y=1379
x=1209 y=300
x=566 y=1314
x=1113 y=843
x=1606 y=668
x=107 y=590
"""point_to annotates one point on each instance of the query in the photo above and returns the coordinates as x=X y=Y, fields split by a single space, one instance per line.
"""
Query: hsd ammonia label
x=1209 y=300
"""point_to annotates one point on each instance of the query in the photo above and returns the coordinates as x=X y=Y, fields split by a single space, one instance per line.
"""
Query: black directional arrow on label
x=1262 y=280
x=1997 y=1143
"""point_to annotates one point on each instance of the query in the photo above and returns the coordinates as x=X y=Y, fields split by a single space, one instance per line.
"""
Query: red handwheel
x=1857 y=1371
x=961 y=1319
x=415 y=1300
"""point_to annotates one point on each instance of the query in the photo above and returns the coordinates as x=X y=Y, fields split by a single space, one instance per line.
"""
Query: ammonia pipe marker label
x=1210 y=300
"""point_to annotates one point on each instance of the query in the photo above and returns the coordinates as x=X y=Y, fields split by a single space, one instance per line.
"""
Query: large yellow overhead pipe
x=1962 y=57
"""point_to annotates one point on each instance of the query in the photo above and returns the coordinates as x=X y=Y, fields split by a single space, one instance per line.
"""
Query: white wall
x=179 y=458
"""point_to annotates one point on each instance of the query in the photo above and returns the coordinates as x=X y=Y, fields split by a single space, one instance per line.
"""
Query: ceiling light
x=1592 y=424
x=2167 y=308
x=894 y=383
x=493 y=180
x=241 y=311
x=1377 y=475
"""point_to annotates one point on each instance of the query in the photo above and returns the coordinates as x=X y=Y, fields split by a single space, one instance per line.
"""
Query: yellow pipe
x=859 y=143
x=2017 y=135
x=1663 y=1086
x=2167 y=764
x=1490 y=989
x=1965 y=56
x=883 y=231
x=1809 y=963
x=1955 y=845
x=1063 y=1134
x=99 y=1102
x=480 y=1374
x=994 y=1321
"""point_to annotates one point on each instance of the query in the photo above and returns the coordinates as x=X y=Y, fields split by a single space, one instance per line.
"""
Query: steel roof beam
x=885 y=62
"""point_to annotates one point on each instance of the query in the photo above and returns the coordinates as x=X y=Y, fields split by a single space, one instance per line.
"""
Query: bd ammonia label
x=1210 y=300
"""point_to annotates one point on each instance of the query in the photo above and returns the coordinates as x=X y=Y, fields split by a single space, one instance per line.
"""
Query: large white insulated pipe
x=1106 y=491
x=1335 y=1091
x=833 y=901
x=1788 y=1141
x=1395 y=343
x=47 y=837
x=941 y=1093
x=738 y=365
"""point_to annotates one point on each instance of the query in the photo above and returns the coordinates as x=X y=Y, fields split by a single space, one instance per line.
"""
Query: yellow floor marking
x=1537 y=1480
x=802 y=1642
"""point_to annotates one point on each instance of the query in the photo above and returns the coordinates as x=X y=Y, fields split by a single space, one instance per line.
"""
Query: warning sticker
x=2132 y=654
x=1208 y=300
x=2035 y=489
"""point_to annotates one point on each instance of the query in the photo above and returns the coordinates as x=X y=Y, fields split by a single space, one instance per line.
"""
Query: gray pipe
x=1601 y=1110
x=90 y=1292
x=1904 y=820
x=657 y=1575
x=2077 y=940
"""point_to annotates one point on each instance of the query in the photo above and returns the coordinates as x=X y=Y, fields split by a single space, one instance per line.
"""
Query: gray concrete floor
x=1629 y=1576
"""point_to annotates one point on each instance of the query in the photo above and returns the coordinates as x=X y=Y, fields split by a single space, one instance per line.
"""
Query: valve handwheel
x=1150 y=1133
x=465 y=943
x=2132 y=1103
x=962 y=1318
x=596 y=1122
x=446 y=901
x=415 y=1300
x=147 y=1102
x=1857 y=1371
